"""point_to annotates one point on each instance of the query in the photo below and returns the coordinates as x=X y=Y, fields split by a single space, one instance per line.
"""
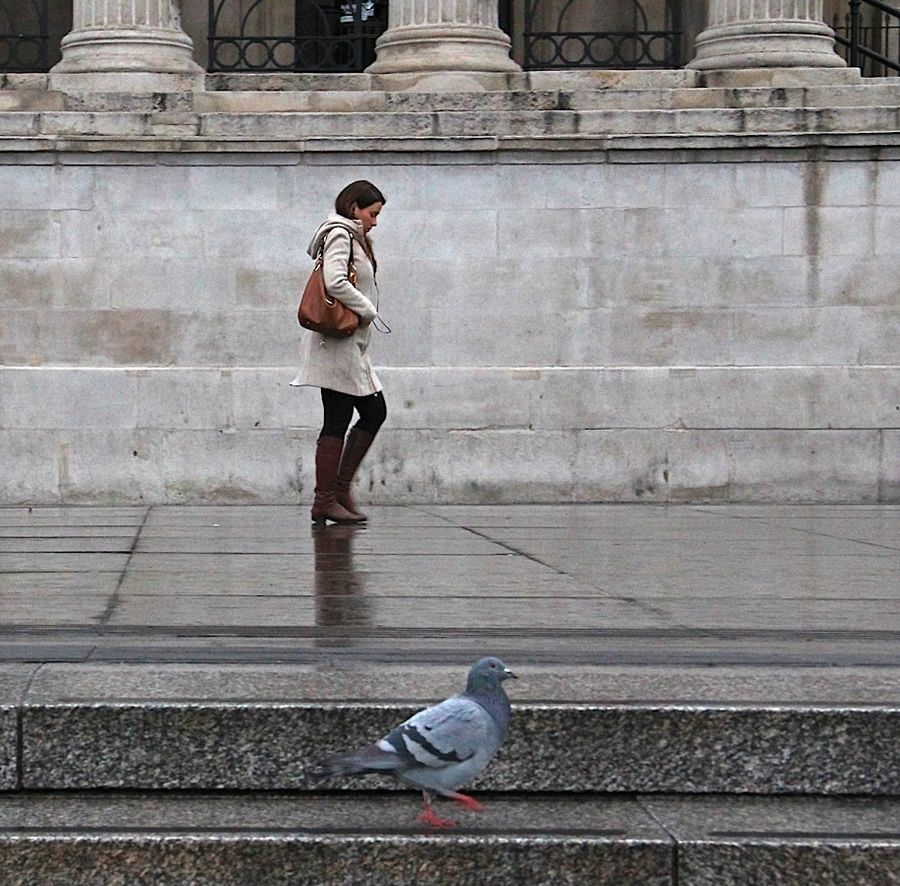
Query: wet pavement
x=549 y=584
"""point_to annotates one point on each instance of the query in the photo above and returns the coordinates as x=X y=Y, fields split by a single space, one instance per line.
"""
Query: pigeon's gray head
x=488 y=673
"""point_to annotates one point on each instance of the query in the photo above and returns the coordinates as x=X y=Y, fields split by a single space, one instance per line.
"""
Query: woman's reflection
x=342 y=608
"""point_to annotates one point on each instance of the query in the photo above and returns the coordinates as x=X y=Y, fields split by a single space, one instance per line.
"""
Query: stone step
x=883 y=94
x=549 y=124
x=274 y=839
x=574 y=729
x=877 y=94
x=541 y=115
x=596 y=748
x=337 y=101
x=485 y=82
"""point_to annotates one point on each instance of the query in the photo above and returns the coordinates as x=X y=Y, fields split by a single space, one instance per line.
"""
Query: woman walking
x=341 y=367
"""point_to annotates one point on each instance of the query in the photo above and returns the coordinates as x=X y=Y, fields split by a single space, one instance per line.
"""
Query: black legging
x=338 y=409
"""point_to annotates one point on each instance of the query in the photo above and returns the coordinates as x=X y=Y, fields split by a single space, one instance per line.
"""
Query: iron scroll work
x=333 y=36
x=585 y=35
x=23 y=36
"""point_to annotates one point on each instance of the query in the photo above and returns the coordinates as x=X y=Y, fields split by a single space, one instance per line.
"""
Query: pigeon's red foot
x=468 y=802
x=434 y=821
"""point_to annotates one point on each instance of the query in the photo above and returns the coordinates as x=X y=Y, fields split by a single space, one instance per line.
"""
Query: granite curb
x=566 y=747
x=372 y=840
x=575 y=729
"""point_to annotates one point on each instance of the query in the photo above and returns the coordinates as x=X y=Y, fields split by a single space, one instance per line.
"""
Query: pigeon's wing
x=443 y=735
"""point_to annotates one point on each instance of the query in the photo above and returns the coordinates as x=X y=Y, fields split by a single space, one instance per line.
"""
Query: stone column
x=442 y=35
x=765 y=34
x=125 y=46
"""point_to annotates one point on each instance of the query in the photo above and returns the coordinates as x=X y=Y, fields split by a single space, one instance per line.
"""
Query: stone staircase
x=578 y=112
x=177 y=774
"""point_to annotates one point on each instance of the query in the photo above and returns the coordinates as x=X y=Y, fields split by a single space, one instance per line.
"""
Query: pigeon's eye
x=493 y=666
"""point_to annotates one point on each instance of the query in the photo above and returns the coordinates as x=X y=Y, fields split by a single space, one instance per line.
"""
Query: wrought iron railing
x=580 y=38
x=24 y=36
x=328 y=36
x=869 y=37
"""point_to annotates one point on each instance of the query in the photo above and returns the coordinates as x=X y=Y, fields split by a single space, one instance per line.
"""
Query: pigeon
x=441 y=747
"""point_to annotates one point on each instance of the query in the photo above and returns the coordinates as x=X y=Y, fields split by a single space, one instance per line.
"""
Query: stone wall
x=583 y=325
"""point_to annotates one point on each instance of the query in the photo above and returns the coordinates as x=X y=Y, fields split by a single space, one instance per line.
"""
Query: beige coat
x=342 y=364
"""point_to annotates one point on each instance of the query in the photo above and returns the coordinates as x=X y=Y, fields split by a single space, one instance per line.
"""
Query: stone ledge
x=673 y=148
x=660 y=465
x=702 y=128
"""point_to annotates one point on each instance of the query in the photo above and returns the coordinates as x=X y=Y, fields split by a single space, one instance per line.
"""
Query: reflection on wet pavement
x=602 y=584
x=340 y=590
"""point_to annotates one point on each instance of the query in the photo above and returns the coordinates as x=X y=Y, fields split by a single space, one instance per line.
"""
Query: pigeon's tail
x=368 y=759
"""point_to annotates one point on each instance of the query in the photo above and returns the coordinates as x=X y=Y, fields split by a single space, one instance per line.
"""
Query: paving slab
x=60 y=545
x=21 y=607
x=717 y=647
x=42 y=587
x=363 y=612
x=20 y=530
x=595 y=584
x=72 y=517
x=37 y=562
x=338 y=578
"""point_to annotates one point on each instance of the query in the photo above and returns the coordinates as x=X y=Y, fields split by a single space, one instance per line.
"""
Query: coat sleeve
x=334 y=269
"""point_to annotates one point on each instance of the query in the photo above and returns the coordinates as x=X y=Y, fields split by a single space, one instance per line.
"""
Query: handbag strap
x=320 y=259
x=320 y=255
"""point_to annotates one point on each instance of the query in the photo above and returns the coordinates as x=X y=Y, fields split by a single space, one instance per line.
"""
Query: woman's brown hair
x=362 y=194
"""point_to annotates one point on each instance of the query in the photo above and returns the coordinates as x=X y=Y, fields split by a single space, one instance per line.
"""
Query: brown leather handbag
x=323 y=313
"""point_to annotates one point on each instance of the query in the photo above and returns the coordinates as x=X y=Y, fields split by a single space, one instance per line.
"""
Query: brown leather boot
x=325 y=506
x=355 y=449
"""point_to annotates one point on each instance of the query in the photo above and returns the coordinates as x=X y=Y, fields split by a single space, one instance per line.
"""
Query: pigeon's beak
x=507 y=673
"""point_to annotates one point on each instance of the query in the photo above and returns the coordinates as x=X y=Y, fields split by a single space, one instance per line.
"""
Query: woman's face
x=368 y=216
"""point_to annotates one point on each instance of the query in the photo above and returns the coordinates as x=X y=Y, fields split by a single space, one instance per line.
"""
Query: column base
x=769 y=44
x=127 y=60
x=413 y=49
